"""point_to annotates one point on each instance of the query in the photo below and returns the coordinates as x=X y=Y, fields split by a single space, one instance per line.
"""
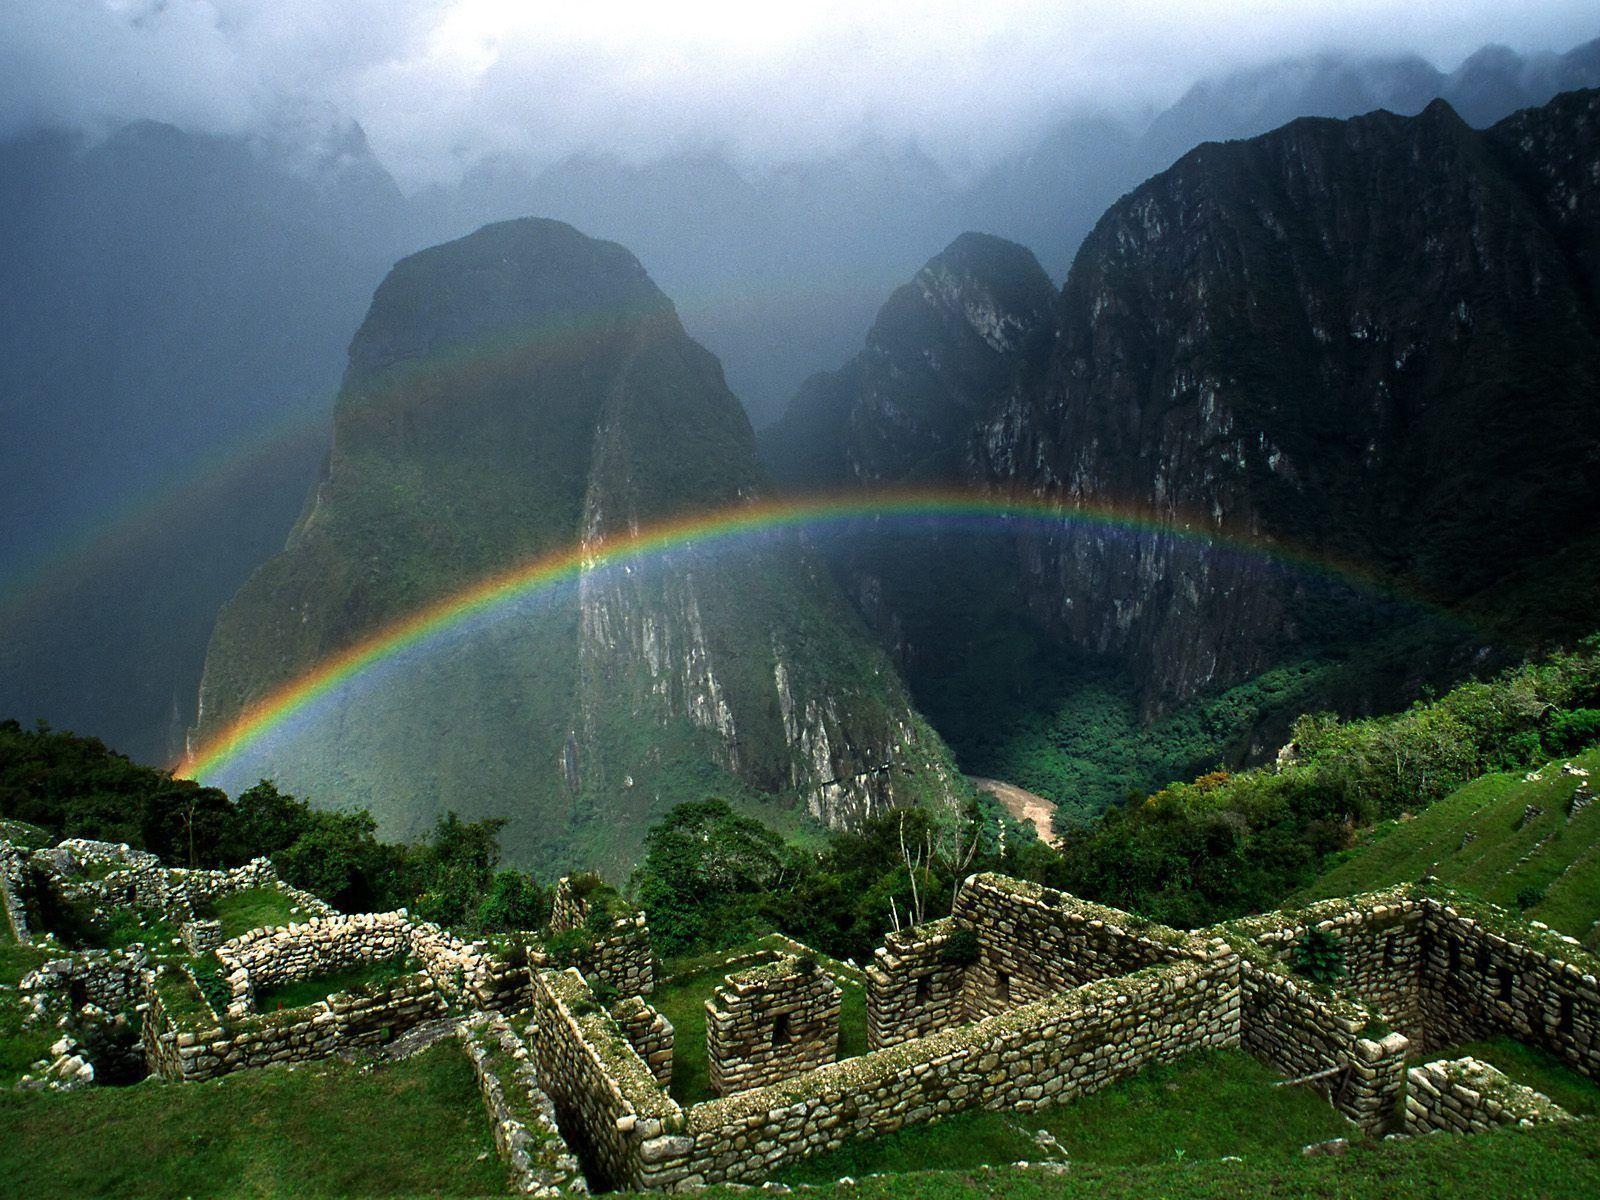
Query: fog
x=440 y=84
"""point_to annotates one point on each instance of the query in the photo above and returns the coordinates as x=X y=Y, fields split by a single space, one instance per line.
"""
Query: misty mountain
x=513 y=394
x=173 y=310
x=175 y=307
x=1359 y=341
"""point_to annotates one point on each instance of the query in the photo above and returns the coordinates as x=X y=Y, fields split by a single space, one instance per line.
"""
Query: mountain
x=173 y=311
x=525 y=391
x=1360 y=341
x=175 y=307
x=1050 y=196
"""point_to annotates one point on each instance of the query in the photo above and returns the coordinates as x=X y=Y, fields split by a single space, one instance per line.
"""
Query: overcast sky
x=438 y=83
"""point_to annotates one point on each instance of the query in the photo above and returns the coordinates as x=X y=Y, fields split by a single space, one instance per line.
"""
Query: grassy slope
x=1550 y=853
x=1198 y=1110
x=308 y=1130
x=19 y=1048
x=1553 y=1163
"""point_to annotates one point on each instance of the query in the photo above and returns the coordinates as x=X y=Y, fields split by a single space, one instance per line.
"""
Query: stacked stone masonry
x=649 y=1033
x=1468 y=1096
x=13 y=877
x=184 y=1039
x=915 y=984
x=271 y=957
x=520 y=1114
x=621 y=955
x=771 y=1023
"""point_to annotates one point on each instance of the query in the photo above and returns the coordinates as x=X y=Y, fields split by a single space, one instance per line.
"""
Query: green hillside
x=1507 y=837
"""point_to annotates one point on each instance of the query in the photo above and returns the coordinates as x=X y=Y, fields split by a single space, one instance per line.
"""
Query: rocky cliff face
x=1364 y=339
x=519 y=392
x=1370 y=342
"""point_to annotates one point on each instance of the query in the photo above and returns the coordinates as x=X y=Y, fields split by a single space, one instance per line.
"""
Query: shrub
x=962 y=948
x=1529 y=897
x=570 y=947
x=1319 y=956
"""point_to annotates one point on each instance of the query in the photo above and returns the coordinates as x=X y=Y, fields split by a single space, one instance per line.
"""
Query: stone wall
x=621 y=953
x=631 y=1134
x=185 y=1039
x=914 y=986
x=1468 y=1096
x=624 y=1127
x=649 y=1033
x=1036 y=942
x=470 y=973
x=1380 y=936
x=112 y=980
x=276 y=955
x=1487 y=973
x=624 y=958
x=520 y=1114
x=771 y=1023
x=13 y=880
x=78 y=869
x=1331 y=1043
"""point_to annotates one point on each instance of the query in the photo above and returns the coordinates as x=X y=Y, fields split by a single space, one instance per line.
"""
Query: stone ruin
x=1023 y=998
x=1027 y=997
x=771 y=1023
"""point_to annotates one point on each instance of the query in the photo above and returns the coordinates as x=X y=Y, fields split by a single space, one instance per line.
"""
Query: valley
x=878 y=603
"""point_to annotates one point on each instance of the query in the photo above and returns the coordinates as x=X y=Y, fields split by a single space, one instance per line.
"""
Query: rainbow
x=499 y=591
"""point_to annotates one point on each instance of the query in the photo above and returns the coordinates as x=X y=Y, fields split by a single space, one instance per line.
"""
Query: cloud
x=440 y=83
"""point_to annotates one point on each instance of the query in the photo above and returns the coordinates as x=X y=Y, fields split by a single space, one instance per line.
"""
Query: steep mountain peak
x=943 y=347
x=513 y=396
x=511 y=279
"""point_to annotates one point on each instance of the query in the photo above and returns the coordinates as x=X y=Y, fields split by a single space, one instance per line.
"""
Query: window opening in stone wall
x=1505 y=985
x=1564 y=1022
x=780 y=1029
x=1455 y=955
x=1483 y=958
x=1002 y=986
x=1390 y=944
x=924 y=992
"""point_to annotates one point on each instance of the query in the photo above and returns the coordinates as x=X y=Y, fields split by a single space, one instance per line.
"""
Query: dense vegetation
x=1226 y=844
x=73 y=786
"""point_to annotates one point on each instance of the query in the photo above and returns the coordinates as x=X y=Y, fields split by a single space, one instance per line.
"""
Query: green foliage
x=1572 y=731
x=961 y=950
x=515 y=902
x=1476 y=839
x=707 y=877
x=212 y=981
x=1195 y=853
x=570 y=947
x=1319 y=956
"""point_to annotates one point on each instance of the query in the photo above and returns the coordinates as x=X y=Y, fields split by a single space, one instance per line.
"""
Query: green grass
x=1535 y=1068
x=308 y=991
x=1200 y=1109
x=19 y=1048
x=1550 y=856
x=1550 y=1163
x=323 y=1129
x=683 y=999
x=254 y=908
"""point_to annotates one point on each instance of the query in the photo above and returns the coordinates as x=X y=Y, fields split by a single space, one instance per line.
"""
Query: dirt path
x=1023 y=805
